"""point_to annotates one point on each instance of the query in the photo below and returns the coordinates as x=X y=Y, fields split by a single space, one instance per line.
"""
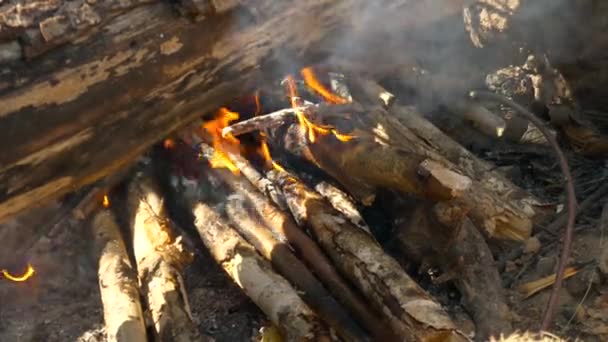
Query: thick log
x=118 y=283
x=405 y=161
x=440 y=235
x=137 y=71
x=160 y=259
x=410 y=311
x=268 y=290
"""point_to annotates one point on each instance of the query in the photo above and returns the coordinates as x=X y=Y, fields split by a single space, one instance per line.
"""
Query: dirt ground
x=61 y=301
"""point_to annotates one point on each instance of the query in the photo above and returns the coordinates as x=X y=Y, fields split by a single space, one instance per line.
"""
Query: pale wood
x=118 y=283
x=160 y=259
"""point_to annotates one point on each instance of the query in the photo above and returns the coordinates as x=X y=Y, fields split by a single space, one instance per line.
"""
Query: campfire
x=353 y=185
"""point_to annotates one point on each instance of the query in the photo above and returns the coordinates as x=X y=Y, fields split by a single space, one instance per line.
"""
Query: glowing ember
x=310 y=127
x=214 y=127
x=106 y=201
x=28 y=274
x=313 y=82
x=169 y=144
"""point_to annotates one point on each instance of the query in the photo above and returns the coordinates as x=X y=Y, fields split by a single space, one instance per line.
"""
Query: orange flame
x=28 y=274
x=313 y=83
x=214 y=127
x=265 y=152
x=106 y=201
x=310 y=127
x=258 y=104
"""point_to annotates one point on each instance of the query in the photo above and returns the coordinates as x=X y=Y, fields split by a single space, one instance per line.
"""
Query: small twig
x=570 y=193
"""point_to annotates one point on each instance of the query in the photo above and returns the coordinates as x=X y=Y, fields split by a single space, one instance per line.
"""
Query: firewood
x=342 y=202
x=269 y=291
x=409 y=310
x=290 y=267
x=118 y=284
x=285 y=229
x=440 y=235
x=160 y=262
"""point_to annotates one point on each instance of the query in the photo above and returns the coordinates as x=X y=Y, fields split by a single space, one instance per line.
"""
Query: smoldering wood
x=440 y=235
x=269 y=291
x=118 y=284
x=285 y=229
x=290 y=267
x=160 y=259
x=412 y=313
x=175 y=67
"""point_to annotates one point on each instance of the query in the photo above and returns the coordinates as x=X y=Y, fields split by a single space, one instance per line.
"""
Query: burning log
x=285 y=229
x=410 y=311
x=160 y=260
x=117 y=282
x=268 y=290
x=398 y=157
x=440 y=235
x=117 y=54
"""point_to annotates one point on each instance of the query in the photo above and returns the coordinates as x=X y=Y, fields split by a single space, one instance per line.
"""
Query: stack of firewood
x=276 y=199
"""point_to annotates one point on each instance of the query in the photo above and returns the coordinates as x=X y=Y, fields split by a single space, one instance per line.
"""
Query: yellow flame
x=306 y=124
x=265 y=152
x=214 y=127
x=258 y=104
x=106 y=201
x=313 y=83
x=28 y=274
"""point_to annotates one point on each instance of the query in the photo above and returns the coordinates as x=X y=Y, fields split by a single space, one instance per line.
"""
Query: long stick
x=288 y=265
x=122 y=310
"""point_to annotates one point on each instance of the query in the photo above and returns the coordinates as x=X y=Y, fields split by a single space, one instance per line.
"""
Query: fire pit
x=233 y=171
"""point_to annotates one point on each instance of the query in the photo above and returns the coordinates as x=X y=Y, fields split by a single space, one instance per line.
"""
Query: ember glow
x=169 y=144
x=106 y=201
x=313 y=82
x=29 y=272
x=214 y=127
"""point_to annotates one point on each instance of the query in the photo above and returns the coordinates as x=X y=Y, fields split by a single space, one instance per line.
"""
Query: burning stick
x=410 y=311
x=117 y=283
x=283 y=116
x=160 y=260
x=282 y=258
x=283 y=226
x=268 y=290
